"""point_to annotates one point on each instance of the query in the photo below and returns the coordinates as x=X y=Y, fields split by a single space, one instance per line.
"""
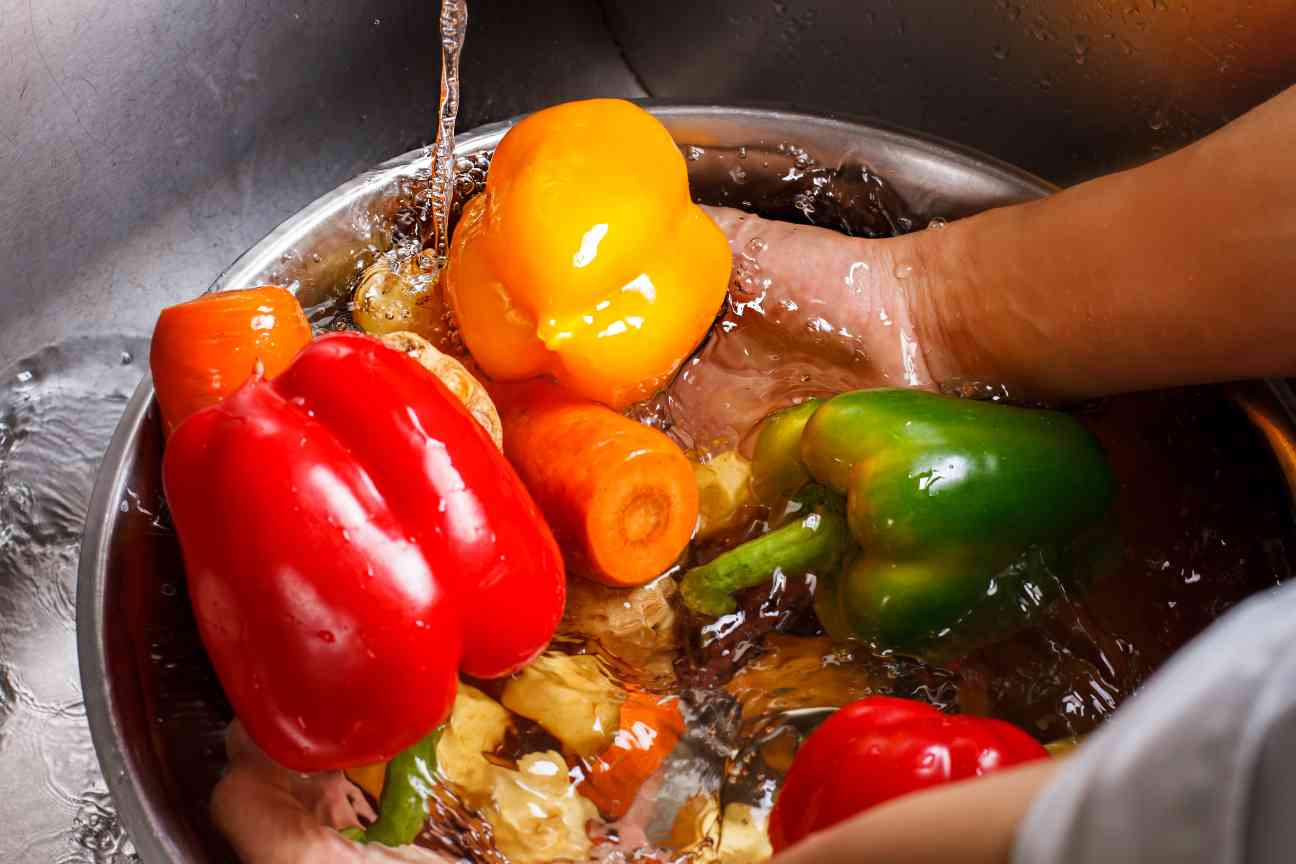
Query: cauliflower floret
x=724 y=488
x=636 y=626
x=571 y=697
x=743 y=836
x=477 y=726
x=536 y=812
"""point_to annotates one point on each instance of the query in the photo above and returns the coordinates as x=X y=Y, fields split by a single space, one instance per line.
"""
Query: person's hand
x=1149 y=278
x=811 y=312
x=275 y=816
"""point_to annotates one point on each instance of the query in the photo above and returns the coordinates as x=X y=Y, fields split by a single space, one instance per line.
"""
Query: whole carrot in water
x=204 y=349
x=620 y=496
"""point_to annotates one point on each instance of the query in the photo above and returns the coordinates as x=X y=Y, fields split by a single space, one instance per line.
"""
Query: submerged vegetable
x=204 y=349
x=585 y=258
x=814 y=541
x=353 y=538
x=635 y=627
x=619 y=495
x=570 y=697
x=400 y=296
x=649 y=728
x=403 y=807
x=880 y=748
x=724 y=488
x=961 y=509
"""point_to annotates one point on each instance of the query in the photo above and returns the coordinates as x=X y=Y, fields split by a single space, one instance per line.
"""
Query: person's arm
x=970 y=822
x=1181 y=271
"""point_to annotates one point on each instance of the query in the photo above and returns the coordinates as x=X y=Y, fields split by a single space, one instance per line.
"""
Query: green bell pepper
x=970 y=515
x=777 y=471
x=813 y=541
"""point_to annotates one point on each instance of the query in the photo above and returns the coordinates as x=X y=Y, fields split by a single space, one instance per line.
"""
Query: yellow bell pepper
x=585 y=258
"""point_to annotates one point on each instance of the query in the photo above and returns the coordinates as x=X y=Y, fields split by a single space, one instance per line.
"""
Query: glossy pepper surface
x=353 y=539
x=880 y=748
x=585 y=257
x=203 y=350
x=961 y=510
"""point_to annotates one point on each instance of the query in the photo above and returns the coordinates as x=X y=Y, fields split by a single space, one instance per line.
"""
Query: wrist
x=934 y=295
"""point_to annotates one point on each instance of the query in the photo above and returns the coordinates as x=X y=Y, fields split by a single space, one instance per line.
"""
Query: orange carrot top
x=204 y=349
x=620 y=496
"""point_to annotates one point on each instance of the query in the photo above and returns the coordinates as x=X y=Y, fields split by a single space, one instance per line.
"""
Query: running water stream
x=454 y=25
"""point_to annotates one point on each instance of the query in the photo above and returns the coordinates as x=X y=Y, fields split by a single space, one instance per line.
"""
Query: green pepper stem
x=817 y=539
x=403 y=807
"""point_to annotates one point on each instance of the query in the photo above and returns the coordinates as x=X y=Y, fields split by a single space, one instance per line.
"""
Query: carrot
x=204 y=349
x=620 y=496
x=648 y=731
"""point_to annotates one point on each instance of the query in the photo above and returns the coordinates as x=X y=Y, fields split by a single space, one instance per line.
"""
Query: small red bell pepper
x=353 y=539
x=880 y=748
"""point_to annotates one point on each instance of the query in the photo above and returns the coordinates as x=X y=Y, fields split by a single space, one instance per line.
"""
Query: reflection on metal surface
x=1066 y=88
x=57 y=411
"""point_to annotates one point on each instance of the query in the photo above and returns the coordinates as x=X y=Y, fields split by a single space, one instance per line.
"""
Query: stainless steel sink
x=145 y=145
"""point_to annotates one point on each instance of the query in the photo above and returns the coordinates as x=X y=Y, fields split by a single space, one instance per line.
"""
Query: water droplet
x=903 y=271
x=1000 y=52
x=1158 y=120
x=693 y=154
x=937 y=223
x=738 y=175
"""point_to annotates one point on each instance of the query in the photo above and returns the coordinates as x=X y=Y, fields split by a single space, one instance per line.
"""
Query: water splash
x=58 y=409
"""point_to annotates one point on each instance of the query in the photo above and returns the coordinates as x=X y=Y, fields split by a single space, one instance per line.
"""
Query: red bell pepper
x=353 y=539
x=880 y=748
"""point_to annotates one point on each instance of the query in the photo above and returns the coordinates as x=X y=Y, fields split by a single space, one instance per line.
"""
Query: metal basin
x=128 y=561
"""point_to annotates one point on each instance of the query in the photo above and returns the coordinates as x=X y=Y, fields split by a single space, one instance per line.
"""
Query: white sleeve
x=1198 y=767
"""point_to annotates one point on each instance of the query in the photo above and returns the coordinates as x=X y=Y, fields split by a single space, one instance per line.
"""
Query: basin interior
x=158 y=711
